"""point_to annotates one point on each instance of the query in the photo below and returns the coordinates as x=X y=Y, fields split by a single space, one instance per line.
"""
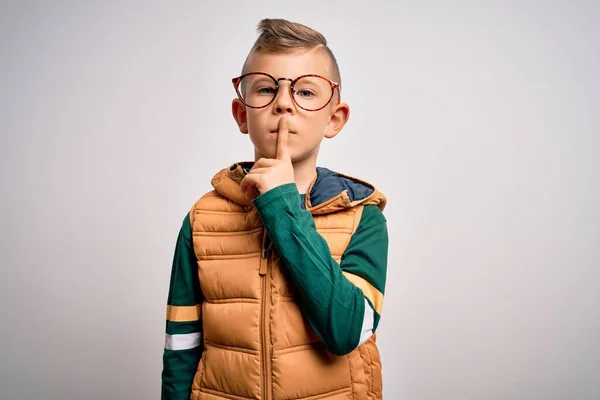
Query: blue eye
x=266 y=90
x=304 y=93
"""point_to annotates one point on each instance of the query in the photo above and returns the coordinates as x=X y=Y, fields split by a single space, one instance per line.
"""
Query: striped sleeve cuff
x=184 y=327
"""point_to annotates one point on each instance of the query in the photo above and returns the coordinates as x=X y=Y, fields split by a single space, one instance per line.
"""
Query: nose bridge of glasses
x=290 y=90
x=291 y=81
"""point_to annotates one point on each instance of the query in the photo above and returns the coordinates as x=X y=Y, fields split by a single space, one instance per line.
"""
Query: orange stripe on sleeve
x=184 y=313
x=370 y=292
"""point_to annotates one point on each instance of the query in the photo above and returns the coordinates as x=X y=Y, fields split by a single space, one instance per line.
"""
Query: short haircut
x=279 y=35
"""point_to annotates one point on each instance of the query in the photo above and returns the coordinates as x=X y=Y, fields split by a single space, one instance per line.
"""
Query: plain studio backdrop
x=478 y=120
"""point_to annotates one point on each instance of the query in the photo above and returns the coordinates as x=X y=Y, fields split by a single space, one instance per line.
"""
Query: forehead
x=292 y=64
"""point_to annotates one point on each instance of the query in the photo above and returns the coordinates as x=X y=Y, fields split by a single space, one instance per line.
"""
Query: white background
x=479 y=120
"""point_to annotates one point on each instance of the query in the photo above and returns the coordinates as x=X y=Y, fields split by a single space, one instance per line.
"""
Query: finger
x=260 y=170
x=263 y=162
x=250 y=192
x=282 y=139
x=247 y=184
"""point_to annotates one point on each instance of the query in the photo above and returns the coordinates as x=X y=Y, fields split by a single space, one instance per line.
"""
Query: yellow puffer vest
x=256 y=342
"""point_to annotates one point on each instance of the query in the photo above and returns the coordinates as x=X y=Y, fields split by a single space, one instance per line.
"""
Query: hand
x=268 y=173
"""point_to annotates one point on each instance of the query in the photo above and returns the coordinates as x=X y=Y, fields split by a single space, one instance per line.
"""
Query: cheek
x=256 y=122
x=318 y=124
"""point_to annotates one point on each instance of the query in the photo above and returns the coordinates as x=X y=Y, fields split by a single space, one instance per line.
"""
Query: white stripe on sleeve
x=182 y=342
x=368 y=323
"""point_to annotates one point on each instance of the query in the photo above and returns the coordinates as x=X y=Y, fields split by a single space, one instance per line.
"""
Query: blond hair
x=279 y=35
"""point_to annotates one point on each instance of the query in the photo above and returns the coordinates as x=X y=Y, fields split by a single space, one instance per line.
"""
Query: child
x=279 y=272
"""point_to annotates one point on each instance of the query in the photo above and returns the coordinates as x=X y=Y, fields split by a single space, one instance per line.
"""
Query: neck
x=305 y=172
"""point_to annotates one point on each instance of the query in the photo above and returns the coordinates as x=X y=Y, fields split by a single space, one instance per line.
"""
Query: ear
x=339 y=116
x=238 y=109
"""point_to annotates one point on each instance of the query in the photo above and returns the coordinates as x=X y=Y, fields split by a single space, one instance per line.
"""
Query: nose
x=283 y=101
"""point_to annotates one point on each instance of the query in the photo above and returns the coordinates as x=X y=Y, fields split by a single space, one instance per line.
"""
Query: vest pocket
x=310 y=371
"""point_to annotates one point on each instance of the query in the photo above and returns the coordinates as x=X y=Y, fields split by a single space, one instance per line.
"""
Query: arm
x=342 y=303
x=184 y=326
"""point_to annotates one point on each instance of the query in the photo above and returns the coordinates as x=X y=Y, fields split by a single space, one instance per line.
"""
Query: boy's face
x=307 y=128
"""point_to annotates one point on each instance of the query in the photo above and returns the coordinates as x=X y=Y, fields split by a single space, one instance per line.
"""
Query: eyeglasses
x=310 y=92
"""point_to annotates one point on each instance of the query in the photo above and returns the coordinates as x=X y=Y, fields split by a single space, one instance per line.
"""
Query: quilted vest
x=256 y=342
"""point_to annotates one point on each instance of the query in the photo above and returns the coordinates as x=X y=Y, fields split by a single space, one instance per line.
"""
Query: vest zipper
x=265 y=266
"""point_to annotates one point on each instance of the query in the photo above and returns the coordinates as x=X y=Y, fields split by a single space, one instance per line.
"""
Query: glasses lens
x=312 y=92
x=257 y=90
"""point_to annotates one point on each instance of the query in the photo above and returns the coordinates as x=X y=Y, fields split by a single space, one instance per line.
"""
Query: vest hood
x=329 y=192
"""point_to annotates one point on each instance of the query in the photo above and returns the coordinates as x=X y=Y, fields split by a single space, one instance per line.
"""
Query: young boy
x=279 y=272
